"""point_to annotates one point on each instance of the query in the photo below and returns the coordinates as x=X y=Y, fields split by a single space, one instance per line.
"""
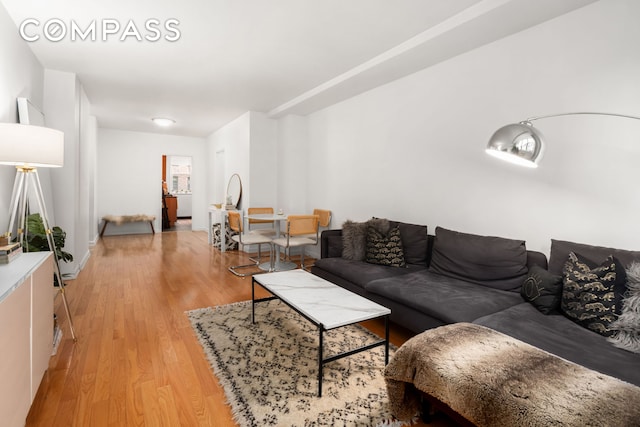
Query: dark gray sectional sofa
x=454 y=277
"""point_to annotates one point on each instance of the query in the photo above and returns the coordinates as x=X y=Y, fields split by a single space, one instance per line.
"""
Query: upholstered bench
x=491 y=379
x=122 y=219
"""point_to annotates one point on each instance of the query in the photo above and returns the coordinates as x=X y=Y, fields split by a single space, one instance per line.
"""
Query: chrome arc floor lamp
x=28 y=147
x=523 y=144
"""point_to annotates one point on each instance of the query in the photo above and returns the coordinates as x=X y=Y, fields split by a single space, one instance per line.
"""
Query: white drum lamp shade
x=34 y=146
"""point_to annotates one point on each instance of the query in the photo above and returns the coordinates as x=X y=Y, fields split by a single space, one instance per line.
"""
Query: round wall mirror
x=234 y=191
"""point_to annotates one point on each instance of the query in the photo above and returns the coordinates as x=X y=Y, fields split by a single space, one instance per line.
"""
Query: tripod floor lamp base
x=27 y=147
x=27 y=178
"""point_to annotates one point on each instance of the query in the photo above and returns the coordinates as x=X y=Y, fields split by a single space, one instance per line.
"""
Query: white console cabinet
x=26 y=332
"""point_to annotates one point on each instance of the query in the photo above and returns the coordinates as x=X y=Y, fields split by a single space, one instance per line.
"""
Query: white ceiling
x=274 y=56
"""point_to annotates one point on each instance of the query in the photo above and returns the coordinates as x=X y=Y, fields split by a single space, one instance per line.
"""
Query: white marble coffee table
x=324 y=304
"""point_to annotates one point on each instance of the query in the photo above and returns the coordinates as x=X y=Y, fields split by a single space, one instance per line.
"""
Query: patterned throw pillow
x=542 y=289
x=385 y=250
x=589 y=292
x=627 y=327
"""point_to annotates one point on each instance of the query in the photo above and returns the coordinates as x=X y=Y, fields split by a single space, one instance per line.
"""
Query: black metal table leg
x=386 y=340
x=320 y=362
x=253 y=300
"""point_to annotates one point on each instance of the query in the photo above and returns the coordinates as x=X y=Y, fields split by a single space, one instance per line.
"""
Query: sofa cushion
x=542 y=289
x=626 y=327
x=560 y=250
x=384 y=249
x=414 y=242
x=589 y=291
x=359 y=272
x=562 y=337
x=442 y=297
x=334 y=246
x=495 y=262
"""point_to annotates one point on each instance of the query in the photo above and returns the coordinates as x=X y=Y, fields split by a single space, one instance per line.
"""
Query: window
x=180 y=172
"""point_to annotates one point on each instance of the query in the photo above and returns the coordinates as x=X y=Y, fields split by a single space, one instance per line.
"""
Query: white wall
x=234 y=141
x=249 y=148
x=413 y=150
x=61 y=98
x=264 y=162
x=84 y=230
x=21 y=75
x=129 y=179
x=67 y=108
x=293 y=164
x=91 y=135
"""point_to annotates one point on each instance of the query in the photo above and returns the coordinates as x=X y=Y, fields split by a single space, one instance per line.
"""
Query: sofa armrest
x=331 y=244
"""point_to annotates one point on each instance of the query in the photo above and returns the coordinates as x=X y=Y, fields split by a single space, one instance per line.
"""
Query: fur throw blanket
x=492 y=379
x=121 y=219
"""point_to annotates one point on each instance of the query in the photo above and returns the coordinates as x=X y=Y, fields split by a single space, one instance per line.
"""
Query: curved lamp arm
x=591 y=113
x=523 y=144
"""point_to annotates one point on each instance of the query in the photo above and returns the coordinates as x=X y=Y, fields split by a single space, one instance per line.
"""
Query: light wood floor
x=137 y=361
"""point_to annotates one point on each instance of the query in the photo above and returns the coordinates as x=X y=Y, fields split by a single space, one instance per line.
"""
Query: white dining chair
x=236 y=221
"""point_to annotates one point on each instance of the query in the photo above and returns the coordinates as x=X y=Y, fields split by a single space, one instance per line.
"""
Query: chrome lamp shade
x=518 y=143
x=523 y=144
x=32 y=146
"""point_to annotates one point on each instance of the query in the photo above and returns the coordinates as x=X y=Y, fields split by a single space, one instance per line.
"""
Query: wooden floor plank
x=137 y=362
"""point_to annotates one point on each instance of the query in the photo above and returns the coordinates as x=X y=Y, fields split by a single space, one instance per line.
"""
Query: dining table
x=277 y=218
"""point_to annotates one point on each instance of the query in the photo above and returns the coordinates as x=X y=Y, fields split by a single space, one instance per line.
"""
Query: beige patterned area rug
x=269 y=369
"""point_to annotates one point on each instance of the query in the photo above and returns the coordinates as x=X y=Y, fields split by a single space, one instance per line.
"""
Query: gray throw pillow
x=354 y=240
x=626 y=329
x=495 y=262
x=542 y=289
x=381 y=225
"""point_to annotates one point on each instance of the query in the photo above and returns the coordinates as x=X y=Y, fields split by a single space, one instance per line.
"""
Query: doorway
x=176 y=193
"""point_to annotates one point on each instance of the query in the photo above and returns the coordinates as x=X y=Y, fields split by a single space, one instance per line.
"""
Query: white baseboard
x=70 y=275
x=84 y=261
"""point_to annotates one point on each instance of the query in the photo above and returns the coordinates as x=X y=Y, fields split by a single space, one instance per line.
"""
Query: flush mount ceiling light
x=163 y=121
x=523 y=144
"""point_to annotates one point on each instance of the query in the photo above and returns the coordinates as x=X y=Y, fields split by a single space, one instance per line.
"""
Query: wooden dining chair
x=270 y=231
x=252 y=223
x=302 y=230
x=324 y=217
x=236 y=224
x=324 y=221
